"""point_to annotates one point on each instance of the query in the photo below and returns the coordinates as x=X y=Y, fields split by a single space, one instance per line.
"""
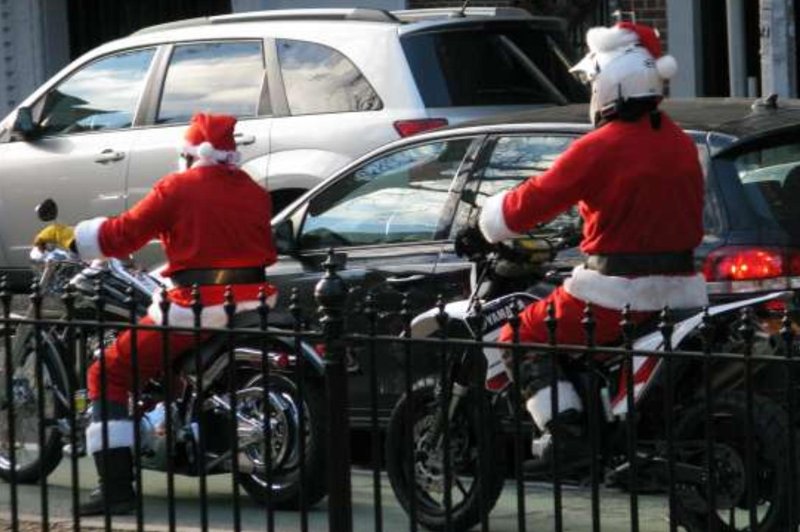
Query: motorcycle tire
x=286 y=481
x=56 y=384
x=770 y=437
x=467 y=428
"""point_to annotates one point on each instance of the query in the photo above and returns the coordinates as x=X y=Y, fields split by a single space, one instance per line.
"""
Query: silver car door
x=79 y=153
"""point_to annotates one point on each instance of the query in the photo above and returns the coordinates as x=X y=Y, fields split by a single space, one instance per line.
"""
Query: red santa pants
x=569 y=313
x=149 y=354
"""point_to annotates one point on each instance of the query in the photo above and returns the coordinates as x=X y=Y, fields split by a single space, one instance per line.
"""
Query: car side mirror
x=24 y=126
x=470 y=197
x=283 y=237
x=47 y=211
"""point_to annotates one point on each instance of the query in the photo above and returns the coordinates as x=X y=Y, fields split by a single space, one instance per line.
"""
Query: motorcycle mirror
x=47 y=210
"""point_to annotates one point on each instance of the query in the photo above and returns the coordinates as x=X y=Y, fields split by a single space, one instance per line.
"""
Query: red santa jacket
x=639 y=190
x=210 y=216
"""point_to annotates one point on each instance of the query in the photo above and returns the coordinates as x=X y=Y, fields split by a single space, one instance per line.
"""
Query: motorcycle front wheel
x=32 y=461
x=472 y=473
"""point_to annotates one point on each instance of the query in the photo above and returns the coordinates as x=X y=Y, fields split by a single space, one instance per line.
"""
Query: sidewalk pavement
x=538 y=501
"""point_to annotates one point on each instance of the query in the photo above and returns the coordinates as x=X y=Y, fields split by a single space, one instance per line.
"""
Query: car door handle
x=244 y=140
x=406 y=279
x=109 y=156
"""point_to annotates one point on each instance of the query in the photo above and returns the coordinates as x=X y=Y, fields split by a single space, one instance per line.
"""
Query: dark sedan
x=391 y=215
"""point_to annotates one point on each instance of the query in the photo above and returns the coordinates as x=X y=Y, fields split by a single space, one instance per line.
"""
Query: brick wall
x=417 y=4
x=651 y=12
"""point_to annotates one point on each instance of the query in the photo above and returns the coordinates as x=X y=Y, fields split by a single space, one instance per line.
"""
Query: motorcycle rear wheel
x=731 y=510
x=285 y=481
x=468 y=471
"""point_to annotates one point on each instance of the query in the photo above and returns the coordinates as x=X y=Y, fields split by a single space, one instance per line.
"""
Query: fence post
x=331 y=296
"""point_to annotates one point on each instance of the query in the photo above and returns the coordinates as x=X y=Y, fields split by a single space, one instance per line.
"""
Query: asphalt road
x=538 y=501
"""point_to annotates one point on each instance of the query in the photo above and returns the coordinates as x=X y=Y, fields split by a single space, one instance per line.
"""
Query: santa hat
x=210 y=138
x=624 y=34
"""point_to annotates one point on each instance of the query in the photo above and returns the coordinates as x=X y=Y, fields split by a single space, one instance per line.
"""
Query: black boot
x=116 y=486
x=566 y=431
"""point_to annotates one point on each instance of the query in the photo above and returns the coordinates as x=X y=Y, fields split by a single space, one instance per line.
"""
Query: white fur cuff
x=120 y=434
x=651 y=293
x=493 y=221
x=540 y=406
x=87 y=238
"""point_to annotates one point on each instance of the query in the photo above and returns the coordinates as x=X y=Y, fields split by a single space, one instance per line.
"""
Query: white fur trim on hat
x=604 y=39
x=87 y=238
x=120 y=434
x=212 y=315
x=667 y=66
x=205 y=151
x=492 y=221
x=540 y=405
x=650 y=293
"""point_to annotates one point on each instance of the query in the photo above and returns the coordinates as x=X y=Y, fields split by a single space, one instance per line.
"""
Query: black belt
x=219 y=276
x=625 y=264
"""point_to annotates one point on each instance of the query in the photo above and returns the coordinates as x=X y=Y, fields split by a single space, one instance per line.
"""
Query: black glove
x=470 y=243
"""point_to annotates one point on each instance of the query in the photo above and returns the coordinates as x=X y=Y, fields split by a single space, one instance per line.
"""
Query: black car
x=391 y=215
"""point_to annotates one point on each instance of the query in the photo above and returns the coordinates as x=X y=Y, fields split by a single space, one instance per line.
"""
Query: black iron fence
x=691 y=425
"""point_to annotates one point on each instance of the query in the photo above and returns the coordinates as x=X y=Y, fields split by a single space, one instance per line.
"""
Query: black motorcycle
x=189 y=406
x=478 y=380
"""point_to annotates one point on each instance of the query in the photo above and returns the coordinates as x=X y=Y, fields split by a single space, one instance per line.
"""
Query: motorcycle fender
x=425 y=324
x=312 y=358
x=646 y=367
x=655 y=341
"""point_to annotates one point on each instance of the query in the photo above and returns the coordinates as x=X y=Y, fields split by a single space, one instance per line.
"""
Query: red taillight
x=406 y=128
x=745 y=263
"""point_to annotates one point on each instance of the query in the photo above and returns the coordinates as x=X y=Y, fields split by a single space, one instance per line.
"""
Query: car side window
x=398 y=198
x=514 y=159
x=100 y=96
x=217 y=77
x=318 y=79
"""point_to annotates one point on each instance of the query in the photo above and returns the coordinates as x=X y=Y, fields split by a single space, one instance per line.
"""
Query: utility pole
x=737 y=54
x=34 y=44
x=778 y=51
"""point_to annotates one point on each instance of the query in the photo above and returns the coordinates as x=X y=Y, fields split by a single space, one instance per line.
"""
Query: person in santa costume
x=638 y=184
x=214 y=223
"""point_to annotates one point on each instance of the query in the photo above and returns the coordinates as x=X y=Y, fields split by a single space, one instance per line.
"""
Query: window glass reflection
x=398 y=198
x=100 y=96
x=319 y=79
x=212 y=77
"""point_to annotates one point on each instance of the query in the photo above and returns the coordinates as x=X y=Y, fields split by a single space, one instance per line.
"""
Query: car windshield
x=771 y=179
x=493 y=64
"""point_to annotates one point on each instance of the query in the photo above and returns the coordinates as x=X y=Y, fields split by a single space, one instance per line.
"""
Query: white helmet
x=623 y=62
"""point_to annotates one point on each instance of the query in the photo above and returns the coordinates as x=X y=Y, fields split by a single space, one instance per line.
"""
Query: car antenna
x=462 y=12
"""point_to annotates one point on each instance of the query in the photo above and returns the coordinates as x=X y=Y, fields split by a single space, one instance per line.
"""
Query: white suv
x=313 y=89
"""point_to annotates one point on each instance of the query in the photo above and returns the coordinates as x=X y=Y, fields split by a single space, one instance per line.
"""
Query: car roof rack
x=357 y=14
x=414 y=15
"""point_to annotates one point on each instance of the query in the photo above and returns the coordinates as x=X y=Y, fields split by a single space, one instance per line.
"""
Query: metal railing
x=709 y=441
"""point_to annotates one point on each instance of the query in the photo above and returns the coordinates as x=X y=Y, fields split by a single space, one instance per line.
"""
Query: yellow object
x=59 y=234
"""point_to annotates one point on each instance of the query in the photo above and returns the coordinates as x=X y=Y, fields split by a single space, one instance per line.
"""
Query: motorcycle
x=475 y=397
x=185 y=406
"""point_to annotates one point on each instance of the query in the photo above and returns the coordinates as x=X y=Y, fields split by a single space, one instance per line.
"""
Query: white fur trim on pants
x=212 y=315
x=540 y=406
x=120 y=434
x=87 y=239
x=493 y=222
x=650 y=293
